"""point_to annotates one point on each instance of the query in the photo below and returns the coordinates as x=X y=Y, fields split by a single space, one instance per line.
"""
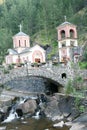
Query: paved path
x=18 y=93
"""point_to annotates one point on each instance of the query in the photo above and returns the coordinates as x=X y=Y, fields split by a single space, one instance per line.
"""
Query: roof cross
x=20 y=27
x=65 y=18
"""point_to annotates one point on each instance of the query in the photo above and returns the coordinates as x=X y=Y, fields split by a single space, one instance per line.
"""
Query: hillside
x=80 y=19
x=39 y=19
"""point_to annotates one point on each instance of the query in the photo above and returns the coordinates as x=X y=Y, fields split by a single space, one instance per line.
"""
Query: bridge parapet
x=59 y=75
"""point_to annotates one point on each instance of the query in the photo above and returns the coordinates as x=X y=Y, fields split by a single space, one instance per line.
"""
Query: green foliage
x=79 y=79
x=69 y=89
x=8 y=88
x=80 y=19
x=78 y=105
x=1 y=86
x=5 y=42
x=78 y=82
x=5 y=71
x=83 y=65
x=53 y=51
x=35 y=16
x=85 y=55
x=35 y=64
x=10 y=67
x=82 y=108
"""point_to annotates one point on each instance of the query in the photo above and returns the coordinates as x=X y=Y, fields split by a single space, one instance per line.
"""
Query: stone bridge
x=58 y=75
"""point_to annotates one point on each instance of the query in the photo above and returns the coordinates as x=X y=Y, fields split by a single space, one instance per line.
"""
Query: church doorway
x=37 y=60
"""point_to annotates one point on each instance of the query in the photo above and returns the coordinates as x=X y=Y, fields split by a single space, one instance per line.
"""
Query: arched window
x=62 y=34
x=71 y=33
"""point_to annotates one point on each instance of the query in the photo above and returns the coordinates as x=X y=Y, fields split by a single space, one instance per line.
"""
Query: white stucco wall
x=31 y=55
x=68 y=44
x=37 y=52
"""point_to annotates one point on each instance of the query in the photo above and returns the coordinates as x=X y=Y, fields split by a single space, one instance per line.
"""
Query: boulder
x=78 y=126
x=51 y=109
x=80 y=123
x=2 y=127
x=28 y=107
x=60 y=124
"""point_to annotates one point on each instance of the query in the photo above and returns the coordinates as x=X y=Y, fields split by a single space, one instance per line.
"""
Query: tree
x=85 y=53
x=36 y=16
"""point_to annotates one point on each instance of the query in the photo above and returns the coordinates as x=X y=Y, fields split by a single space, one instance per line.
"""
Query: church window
x=62 y=34
x=19 y=43
x=25 y=43
x=71 y=33
x=63 y=44
x=72 y=43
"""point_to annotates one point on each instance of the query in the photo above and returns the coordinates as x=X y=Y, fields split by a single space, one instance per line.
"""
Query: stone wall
x=60 y=75
x=53 y=73
x=30 y=84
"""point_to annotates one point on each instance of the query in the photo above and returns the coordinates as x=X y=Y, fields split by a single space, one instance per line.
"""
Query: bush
x=43 y=63
x=82 y=108
x=10 y=67
x=69 y=88
x=78 y=105
x=5 y=71
x=35 y=64
x=78 y=82
x=1 y=85
x=83 y=65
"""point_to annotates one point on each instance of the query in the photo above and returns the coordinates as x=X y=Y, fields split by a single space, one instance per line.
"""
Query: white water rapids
x=13 y=115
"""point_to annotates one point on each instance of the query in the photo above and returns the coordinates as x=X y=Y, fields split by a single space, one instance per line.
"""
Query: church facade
x=22 y=52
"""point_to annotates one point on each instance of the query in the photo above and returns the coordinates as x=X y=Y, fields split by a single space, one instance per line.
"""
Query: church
x=68 y=48
x=22 y=52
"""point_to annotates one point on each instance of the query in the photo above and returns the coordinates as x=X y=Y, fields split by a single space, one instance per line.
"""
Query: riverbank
x=59 y=108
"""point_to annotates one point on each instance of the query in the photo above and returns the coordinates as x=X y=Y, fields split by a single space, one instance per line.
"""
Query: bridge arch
x=53 y=75
x=34 y=84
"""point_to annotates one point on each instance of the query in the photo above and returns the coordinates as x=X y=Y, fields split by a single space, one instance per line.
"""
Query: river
x=31 y=124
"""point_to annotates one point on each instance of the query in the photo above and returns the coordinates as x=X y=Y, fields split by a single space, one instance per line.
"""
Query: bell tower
x=67 y=41
x=21 y=41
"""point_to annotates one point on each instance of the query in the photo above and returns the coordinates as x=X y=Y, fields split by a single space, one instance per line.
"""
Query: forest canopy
x=35 y=16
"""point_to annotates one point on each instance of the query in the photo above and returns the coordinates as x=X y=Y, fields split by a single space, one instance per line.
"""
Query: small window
x=19 y=43
x=25 y=43
x=63 y=44
x=64 y=75
x=72 y=43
